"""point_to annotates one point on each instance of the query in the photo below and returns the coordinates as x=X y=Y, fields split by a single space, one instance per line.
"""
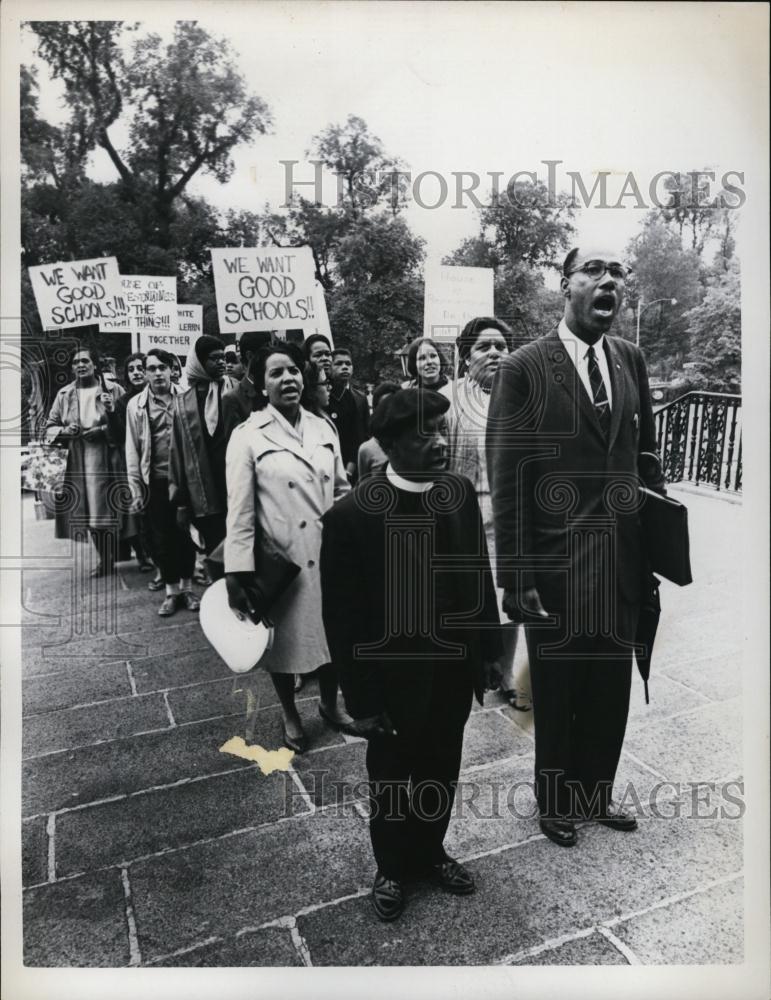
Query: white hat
x=237 y=640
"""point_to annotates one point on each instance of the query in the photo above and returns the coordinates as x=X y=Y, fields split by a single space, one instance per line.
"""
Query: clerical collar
x=408 y=485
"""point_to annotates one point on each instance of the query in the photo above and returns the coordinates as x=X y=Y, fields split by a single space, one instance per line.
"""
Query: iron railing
x=699 y=439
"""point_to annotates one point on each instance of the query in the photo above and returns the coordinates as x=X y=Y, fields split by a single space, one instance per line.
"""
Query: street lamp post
x=641 y=309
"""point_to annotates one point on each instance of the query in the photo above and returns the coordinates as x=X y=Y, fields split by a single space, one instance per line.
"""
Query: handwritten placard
x=77 y=292
x=151 y=310
x=453 y=296
x=265 y=288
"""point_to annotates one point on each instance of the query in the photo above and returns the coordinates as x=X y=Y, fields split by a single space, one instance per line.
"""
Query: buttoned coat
x=564 y=499
x=72 y=508
x=362 y=587
x=284 y=486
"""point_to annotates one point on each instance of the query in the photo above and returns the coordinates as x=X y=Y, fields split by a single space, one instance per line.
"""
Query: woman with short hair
x=88 y=498
x=481 y=346
x=284 y=470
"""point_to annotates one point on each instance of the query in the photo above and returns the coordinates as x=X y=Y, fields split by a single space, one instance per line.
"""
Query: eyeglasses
x=595 y=269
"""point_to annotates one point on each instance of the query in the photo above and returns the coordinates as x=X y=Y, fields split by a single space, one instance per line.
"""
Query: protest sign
x=454 y=295
x=77 y=292
x=151 y=304
x=189 y=329
x=265 y=288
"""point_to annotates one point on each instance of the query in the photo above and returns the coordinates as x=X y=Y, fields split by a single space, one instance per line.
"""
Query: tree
x=366 y=257
x=185 y=106
x=715 y=329
x=661 y=269
x=523 y=233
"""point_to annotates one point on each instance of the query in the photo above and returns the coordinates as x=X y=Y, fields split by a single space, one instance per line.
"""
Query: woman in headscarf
x=284 y=471
x=424 y=365
x=481 y=346
x=198 y=442
x=88 y=498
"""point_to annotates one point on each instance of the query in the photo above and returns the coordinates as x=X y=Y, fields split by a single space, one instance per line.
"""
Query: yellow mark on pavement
x=267 y=760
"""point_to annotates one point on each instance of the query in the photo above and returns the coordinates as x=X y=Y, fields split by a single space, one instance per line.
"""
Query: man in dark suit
x=570 y=414
x=410 y=616
x=348 y=409
x=240 y=402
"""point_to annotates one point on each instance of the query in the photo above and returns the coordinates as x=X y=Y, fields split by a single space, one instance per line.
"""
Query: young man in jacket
x=148 y=440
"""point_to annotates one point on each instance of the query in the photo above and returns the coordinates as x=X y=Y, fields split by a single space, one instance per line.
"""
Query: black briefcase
x=665 y=528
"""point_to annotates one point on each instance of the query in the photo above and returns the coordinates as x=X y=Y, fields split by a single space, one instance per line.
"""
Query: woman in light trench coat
x=284 y=470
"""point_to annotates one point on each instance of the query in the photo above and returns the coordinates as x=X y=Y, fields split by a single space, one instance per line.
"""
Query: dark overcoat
x=361 y=585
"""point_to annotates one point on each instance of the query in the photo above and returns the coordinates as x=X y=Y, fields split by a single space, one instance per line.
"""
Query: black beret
x=406 y=410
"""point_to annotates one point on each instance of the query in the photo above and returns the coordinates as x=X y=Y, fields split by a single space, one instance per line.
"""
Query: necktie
x=599 y=393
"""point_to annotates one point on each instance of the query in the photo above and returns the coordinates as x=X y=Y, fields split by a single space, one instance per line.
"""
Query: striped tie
x=599 y=393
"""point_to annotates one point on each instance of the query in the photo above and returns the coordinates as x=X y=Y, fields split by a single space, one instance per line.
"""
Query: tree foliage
x=523 y=233
x=367 y=258
x=715 y=331
x=184 y=107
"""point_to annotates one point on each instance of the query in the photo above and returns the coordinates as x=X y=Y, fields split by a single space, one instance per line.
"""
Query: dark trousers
x=413 y=775
x=581 y=686
x=212 y=529
x=173 y=549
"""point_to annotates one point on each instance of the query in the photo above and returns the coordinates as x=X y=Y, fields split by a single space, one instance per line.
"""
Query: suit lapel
x=566 y=376
x=617 y=380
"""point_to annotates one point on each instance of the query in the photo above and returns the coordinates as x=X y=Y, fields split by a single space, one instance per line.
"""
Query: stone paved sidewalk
x=144 y=845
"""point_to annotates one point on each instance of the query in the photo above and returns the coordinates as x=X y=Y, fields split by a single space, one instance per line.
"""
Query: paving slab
x=242 y=881
x=120 y=767
x=494 y=806
x=77 y=727
x=172 y=817
x=491 y=736
x=209 y=699
x=667 y=697
x=687 y=748
x=704 y=929
x=529 y=895
x=34 y=851
x=594 y=949
x=716 y=677
x=334 y=775
x=38 y=660
x=720 y=633
x=74 y=683
x=177 y=638
x=80 y=923
x=176 y=669
x=270 y=946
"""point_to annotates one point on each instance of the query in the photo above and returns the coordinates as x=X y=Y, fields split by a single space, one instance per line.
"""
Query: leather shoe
x=169 y=606
x=559 y=831
x=297 y=743
x=156 y=584
x=387 y=898
x=188 y=600
x=618 y=819
x=342 y=724
x=453 y=877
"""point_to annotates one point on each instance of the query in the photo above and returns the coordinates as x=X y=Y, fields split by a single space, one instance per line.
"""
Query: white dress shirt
x=578 y=350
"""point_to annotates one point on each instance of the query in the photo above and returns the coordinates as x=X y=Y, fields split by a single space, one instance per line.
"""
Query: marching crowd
x=397 y=513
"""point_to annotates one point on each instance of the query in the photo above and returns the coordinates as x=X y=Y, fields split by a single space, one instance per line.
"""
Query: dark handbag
x=273 y=573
